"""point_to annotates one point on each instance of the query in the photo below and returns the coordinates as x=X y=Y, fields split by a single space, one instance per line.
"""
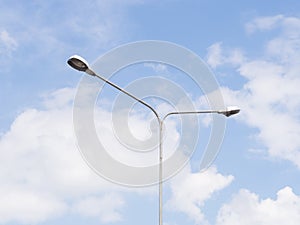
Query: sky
x=251 y=47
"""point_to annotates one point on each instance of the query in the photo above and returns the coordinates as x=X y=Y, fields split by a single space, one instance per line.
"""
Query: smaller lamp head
x=231 y=110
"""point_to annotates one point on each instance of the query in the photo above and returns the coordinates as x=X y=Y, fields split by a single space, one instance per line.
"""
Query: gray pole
x=160 y=170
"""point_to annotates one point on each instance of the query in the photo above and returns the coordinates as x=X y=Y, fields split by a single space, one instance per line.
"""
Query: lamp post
x=80 y=64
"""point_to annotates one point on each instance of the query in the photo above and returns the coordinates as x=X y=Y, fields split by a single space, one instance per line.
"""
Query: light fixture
x=78 y=63
x=231 y=110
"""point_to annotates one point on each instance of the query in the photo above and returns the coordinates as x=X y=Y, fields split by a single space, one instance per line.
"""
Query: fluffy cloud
x=248 y=209
x=157 y=67
x=7 y=43
x=270 y=99
x=216 y=56
x=106 y=208
x=47 y=32
x=263 y=23
x=191 y=190
x=28 y=206
x=42 y=174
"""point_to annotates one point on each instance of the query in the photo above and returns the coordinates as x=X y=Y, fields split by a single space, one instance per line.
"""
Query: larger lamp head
x=78 y=63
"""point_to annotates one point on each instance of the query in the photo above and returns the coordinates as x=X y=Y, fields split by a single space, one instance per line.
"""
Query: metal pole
x=160 y=170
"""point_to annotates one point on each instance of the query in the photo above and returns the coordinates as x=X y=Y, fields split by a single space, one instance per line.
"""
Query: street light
x=80 y=64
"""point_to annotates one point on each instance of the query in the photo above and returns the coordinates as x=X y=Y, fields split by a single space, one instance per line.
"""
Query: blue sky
x=252 y=47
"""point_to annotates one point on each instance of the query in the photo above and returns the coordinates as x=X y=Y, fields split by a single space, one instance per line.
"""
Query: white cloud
x=8 y=44
x=157 y=67
x=59 y=98
x=41 y=165
x=28 y=206
x=248 y=209
x=191 y=190
x=49 y=32
x=214 y=55
x=41 y=170
x=106 y=208
x=217 y=55
x=264 y=23
x=270 y=99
